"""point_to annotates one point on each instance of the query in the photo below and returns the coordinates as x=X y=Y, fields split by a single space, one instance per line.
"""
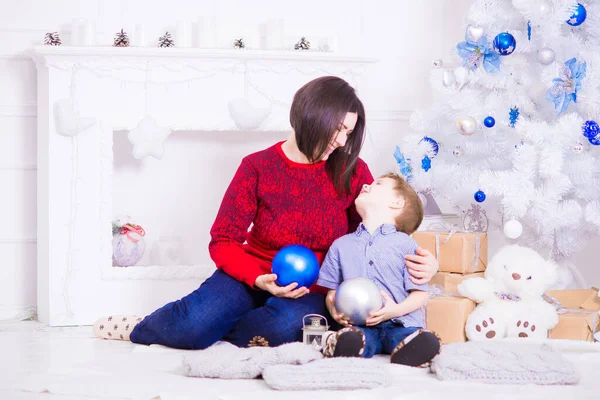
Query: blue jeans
x=223 y=308
x=383 y=338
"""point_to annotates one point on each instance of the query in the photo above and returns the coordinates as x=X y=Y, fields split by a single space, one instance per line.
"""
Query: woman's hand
x=388 y=311
x=267 y=283
x=330 y=303
x=421 y=266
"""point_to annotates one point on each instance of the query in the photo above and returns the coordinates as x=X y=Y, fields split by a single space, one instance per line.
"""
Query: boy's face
x=379 y=195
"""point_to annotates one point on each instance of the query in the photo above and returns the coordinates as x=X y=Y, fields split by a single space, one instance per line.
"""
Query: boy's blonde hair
x=412 y=215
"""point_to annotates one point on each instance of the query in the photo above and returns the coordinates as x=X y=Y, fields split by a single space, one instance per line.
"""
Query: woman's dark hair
x=318 y=109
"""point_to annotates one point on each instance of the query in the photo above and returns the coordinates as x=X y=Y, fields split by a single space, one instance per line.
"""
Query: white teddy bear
x=510 y=296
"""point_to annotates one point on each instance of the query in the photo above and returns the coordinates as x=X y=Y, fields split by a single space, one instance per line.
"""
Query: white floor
x=68 y=363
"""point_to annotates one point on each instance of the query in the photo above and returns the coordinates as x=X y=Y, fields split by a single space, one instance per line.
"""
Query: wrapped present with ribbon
x=578 y=317
x=456 y=251
x=446 y=314
x=449 y=281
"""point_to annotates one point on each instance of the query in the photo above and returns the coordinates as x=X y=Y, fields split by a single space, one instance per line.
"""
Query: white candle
x=273 y=34
x=206 y=32
x=139 y=36
x=183 y=36
x=75 y=32
x=88 y=34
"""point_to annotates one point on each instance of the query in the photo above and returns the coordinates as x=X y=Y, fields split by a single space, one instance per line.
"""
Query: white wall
x=404 y=35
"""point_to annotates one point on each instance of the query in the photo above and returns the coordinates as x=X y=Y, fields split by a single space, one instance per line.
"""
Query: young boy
x=390 y=211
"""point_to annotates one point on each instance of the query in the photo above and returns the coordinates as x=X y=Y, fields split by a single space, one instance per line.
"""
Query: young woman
x=299 y=191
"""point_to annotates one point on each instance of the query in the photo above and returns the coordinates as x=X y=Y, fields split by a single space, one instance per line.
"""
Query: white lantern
x=312 y=334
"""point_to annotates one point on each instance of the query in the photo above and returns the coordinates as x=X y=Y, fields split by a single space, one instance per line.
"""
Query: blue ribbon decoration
x=476 y=53
x=403 y=163
x=564 y=89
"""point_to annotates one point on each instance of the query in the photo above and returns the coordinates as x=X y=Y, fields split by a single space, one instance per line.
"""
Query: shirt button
x=370 y=243
x=371 y=262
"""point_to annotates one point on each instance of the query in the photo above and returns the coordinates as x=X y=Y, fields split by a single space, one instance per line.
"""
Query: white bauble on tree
x=513 y=229
x=467 y=126
x=546 y=56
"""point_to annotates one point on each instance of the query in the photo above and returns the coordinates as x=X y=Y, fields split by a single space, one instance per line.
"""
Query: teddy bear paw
x=526 y=329
x=486 y=328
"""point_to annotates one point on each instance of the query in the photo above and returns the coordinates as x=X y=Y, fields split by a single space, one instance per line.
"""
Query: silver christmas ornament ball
x=357 y=298
x=439 y=63
x=546 y=56
x=457 y=152
x=577 y=148
x=467 y=126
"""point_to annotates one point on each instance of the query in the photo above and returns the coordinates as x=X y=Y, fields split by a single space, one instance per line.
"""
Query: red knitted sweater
x=286 y=203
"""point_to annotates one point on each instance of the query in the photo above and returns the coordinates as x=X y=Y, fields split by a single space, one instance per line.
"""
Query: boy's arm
x=330 y=275
x=415 y=300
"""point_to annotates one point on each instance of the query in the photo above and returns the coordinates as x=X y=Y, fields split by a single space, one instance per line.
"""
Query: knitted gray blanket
x=506 y=363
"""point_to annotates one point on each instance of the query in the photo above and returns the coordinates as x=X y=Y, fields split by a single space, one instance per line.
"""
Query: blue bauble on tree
x=595 y=140
x=295 y=263
x=590 y=129
x=505 y=43
x=489 y=122
x=479 y=196
x=578 y=16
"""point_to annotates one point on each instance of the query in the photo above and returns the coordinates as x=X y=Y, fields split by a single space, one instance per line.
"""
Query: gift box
x=578 y=316
x=458 y=252
x=449 y=282
x=447 y=317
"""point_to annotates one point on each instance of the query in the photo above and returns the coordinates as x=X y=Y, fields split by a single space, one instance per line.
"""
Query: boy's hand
x=384 y=313
x=267 y=283
x=330 y=303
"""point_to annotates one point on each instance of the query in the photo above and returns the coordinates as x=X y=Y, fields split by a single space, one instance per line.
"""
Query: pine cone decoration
x=302 y=44
x=239 y=43
x=52 y=39
x=258 y=341
x=121 y=39
x=166 y=41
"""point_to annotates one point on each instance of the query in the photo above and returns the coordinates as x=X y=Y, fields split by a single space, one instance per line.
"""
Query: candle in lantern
x=313 y=334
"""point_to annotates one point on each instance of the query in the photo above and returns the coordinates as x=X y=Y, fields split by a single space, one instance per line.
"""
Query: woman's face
x=341 y=134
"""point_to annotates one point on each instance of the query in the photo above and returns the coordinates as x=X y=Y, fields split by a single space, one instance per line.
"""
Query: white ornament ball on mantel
x=513 y=229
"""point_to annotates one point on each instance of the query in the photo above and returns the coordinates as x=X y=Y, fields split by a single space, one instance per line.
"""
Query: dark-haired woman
x=299 y=191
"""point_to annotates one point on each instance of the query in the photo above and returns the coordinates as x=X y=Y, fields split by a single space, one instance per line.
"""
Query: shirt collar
x=384 y=229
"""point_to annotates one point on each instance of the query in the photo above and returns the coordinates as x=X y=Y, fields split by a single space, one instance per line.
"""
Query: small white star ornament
x=148 y=139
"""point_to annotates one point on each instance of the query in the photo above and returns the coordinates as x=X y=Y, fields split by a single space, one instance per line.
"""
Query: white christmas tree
x=512 y=131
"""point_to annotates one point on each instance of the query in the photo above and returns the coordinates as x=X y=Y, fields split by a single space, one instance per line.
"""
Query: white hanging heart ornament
x=461 y=74
x=475 y=33
x=449 y=78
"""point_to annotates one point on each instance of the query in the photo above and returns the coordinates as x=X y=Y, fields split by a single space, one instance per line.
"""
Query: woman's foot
x=417 y=349
x=347 y=342
x=116 y=327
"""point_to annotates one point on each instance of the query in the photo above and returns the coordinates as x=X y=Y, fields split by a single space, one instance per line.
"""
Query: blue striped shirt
x=378 y=257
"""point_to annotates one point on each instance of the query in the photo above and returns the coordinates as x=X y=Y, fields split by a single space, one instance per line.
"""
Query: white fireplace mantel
x=110 y=89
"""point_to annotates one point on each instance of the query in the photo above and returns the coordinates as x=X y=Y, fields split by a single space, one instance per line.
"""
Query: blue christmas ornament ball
x=595 y=140
x=591 y=129
x=505 y=43
x=578 y=16
x=479 y=196
x=295 y=263
x=489 y=122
